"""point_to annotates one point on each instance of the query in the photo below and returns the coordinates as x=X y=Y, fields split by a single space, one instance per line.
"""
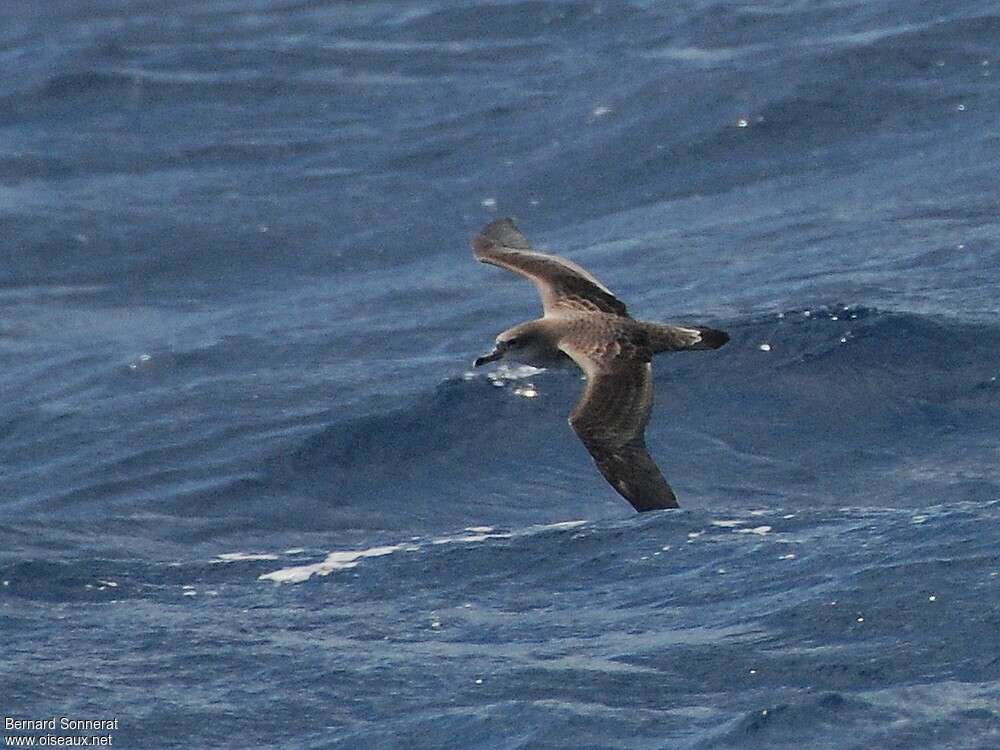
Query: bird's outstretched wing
x=611 y=420
x=563 y=285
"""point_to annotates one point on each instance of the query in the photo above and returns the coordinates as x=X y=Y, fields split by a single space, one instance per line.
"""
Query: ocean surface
x=252 y=493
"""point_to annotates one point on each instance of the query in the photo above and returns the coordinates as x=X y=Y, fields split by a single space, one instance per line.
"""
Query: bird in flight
x=585 y=323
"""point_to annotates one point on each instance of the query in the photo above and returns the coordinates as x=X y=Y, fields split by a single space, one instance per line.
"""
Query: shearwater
x=585 y=323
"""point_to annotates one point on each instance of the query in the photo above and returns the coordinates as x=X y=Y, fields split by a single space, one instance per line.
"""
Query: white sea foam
x=334 y=561
x=344 y=559
x=728 y=523
x=504 y=372
x=239 y=556
x=759 y=530
x=470 y=538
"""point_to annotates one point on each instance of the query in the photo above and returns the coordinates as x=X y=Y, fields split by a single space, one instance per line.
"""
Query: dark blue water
x=251 y=494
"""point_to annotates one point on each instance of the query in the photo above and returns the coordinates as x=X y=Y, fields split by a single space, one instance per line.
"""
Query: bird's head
x=519 y=340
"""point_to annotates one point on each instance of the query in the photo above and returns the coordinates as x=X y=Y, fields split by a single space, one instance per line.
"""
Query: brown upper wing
x=611 y=420
x=563 y=285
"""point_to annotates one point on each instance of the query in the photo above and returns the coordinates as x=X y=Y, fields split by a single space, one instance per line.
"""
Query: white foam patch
x=728 y=523
x=758 y=530
x=470 y=538
x=701 y=54
x=238 y=556
x=505 y=371
x=344 y=559
x=334 y=561
x=484 y=533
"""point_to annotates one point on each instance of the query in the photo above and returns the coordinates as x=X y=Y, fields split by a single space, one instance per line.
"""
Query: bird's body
x=586 y=324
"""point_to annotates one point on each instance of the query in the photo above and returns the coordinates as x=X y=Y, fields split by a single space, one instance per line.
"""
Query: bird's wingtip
x=503 y=232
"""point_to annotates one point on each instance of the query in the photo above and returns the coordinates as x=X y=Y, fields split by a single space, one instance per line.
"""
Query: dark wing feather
x=563 y=285
x=611 y=420
x=631 y=470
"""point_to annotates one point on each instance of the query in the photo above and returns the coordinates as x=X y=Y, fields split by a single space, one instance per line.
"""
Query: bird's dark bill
x=493 y=356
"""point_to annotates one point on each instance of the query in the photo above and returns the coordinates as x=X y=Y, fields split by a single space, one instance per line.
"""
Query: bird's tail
x=670 y=338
